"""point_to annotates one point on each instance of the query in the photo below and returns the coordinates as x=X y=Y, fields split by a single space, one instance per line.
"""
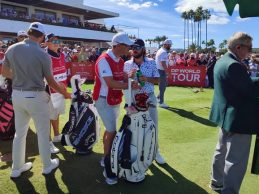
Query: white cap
x=37 y=26
x=121 y=38
x=167 y=41
x=22 y=33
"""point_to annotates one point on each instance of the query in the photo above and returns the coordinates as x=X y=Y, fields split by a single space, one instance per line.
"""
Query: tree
x=149 y=41
x=198 y=19
x=184 y=16
x=206 y=16
x=191 y=17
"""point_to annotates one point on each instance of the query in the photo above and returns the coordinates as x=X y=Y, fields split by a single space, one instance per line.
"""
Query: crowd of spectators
x=52 y=20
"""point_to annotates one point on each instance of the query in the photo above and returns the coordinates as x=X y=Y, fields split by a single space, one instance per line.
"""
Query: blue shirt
x=147 y=68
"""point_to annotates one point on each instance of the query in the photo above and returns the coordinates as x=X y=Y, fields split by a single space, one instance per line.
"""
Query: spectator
x=162 y=61
x=253 y=66
x=202 y=60
x=192 y=60
x=93 y=56
x=21 y=35
x=210 y=69
x=181 y=60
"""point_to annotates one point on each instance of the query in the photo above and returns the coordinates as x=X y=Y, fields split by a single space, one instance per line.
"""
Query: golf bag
x=7 y=128
x=134 y=146
x=82 y=129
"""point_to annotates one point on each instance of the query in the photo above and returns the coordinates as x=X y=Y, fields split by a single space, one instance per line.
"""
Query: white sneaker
x=102 y=162
x=16 y=173
x=163 y=105
x=159 y=159
x=53 y=148
x=54 y=164
x=57 y=138
x=110 y=181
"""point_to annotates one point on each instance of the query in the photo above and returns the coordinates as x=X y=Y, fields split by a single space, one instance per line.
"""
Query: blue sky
x=163 y=17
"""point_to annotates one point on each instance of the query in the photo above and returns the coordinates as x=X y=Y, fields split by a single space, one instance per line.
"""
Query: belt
x=28 y=90
x=102 y=97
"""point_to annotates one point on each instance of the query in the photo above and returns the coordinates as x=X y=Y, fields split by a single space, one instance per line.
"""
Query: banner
x=187 y=76
x=84 y=69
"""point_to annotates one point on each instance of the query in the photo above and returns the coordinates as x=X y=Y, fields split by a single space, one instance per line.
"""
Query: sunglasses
x=23 y=36
x=249 y=47
x=136 y=48
x=55 y=41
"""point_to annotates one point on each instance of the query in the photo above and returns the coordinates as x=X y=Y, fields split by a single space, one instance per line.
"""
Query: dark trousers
x=162 y=85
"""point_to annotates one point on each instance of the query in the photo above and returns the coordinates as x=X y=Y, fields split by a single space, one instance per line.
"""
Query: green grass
x=187 y=141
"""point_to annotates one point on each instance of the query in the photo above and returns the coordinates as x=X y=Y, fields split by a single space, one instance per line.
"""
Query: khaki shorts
x=109 y=114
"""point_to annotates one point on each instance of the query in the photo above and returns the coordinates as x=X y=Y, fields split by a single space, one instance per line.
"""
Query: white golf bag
x=83 y=129
x=134 y=147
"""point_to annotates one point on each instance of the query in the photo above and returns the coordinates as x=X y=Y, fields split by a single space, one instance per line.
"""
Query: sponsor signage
x=187 y=76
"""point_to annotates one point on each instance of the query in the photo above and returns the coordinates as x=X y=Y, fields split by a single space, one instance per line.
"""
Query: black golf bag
x=7 y=128
x=134 y=146
x=82 y=130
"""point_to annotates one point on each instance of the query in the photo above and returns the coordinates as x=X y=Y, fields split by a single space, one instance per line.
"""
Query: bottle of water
x=139 y=74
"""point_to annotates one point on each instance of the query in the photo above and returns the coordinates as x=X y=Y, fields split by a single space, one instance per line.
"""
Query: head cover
x=167 y=41
x=139 y=42
x=37 y=26
x=49 y=36
x=22 y=33
x=121 y=38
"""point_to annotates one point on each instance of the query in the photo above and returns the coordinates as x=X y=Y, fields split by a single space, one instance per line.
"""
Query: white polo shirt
x=105 y=71
x=161 y=55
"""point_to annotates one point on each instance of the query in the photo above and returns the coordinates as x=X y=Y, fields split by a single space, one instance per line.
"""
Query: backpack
x=134 y=146
x=82 y=129
x=7 y=128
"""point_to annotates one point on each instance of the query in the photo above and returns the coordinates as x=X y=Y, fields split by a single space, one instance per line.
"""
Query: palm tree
x=206 y=16
x=191 y=17
x=184 y=16
x=198 y=18
x=149 y=41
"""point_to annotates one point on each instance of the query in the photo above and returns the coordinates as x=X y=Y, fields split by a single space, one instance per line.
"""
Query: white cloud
x=134 y=6
x=216 y=19
x=217 y=8
x=239 y=19
x=185 y=5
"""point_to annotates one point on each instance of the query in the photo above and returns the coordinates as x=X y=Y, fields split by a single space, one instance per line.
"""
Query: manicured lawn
x=187 y=140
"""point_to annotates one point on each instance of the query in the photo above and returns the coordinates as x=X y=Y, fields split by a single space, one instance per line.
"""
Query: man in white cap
x=21 y=35
x=28 y=65
x=107 y=94
x=162 y=61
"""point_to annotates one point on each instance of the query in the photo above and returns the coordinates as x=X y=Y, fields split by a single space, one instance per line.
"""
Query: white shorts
x=57 y=105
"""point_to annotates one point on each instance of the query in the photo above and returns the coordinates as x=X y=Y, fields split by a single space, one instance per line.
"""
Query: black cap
x=49 y=36
x=139 y=42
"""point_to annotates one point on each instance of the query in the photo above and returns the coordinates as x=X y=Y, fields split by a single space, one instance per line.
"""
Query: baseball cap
x=167 y=41
x=37 y=26
x=49 y=36
x=121 y=38
x=22 y=33
x=139 y=42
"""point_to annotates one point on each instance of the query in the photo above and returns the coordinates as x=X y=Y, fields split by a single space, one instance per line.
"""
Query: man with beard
x=162 y=61
x=150 y=76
